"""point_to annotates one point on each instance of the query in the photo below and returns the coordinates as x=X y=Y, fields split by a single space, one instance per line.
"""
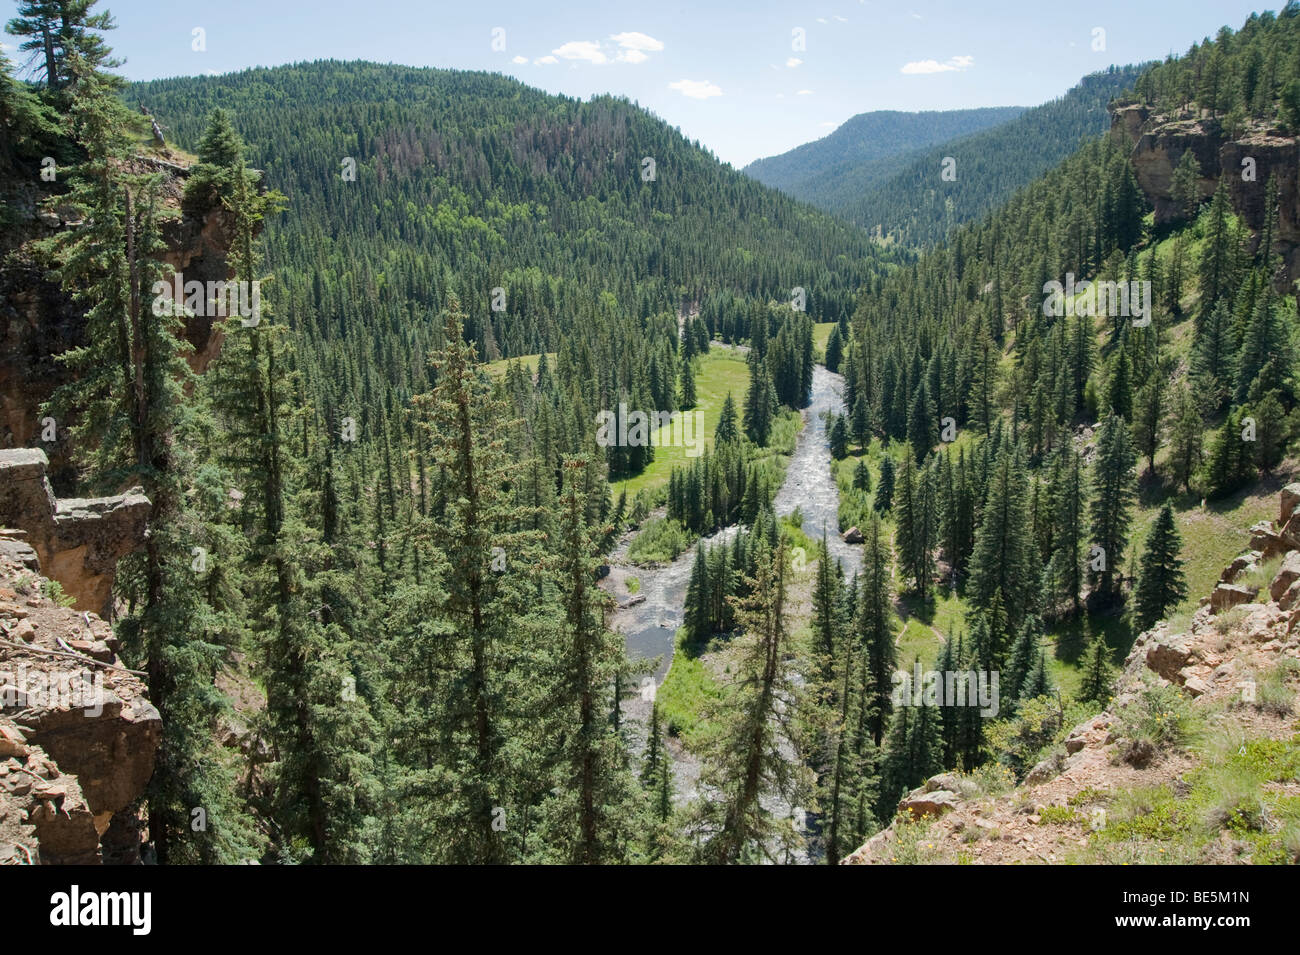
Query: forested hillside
x=907 y=200
x=1062 y=510
x=866 y=149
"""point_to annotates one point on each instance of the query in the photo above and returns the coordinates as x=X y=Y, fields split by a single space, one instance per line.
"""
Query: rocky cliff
x=1135 y=783
x=39 y=321
x=1249 y=160
x=77 y=541
x=77 y=734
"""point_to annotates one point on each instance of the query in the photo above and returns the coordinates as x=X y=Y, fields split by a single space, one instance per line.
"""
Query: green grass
x=1239 y=801
x=497 y=369
x=821 y=334
x=687 y=693
x=722 y=370
x=660 y=540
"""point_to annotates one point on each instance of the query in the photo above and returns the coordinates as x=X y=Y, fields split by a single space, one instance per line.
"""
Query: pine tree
x=1021 y=658
x=1119 y=397
x=1148 y=417
x=484 y=612
x=1219 y=259
x=695 y=613
x=760 y=402
x=839 y=438
x=1265 y=339
x=1161 y=584
x=1038 y=681
x=1003 y=558
x=29 y=125
x=834 y=350
x=65 y=38
x=687 y=384
x=591 y=806
x=1185 y=185
x=884 y=499
x=913 y=753
x=1098 y=674
x=656 y=770
x=1228 y=465
x=874 y=631
x=861 y=418
x=748 y=761
x=861 y=476
x=1065 y=571
x=909 y=531
x=1112 y=499
x=1185 y=437
x=726 y=432
x=922 y=432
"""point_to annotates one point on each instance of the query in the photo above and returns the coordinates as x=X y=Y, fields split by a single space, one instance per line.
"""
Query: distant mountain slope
x=468 y=181
x=822 y=172
x=902 y=197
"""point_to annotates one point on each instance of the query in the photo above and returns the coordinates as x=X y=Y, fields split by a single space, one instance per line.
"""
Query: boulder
x=1291 y=598
x=1290 y=500
x=1167 y=657
x=78 y=541
x=946 y=781
x=852 y=536
x=1046 y=770
x=920 y=803
x=19 y=551
x=1286 y=575
x=1230 y=595
x=1239 y=564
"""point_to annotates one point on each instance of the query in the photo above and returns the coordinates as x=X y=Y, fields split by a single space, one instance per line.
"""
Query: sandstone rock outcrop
x=39 y=321
x=78 y=541
x=78 y=736
x=1159 y=142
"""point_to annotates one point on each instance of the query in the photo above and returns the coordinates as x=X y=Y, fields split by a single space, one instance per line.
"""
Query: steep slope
x=865 y=149
x=78 y=736
x=1195 y=760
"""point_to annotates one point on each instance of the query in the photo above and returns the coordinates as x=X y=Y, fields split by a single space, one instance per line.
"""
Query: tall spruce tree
x=1161 y=583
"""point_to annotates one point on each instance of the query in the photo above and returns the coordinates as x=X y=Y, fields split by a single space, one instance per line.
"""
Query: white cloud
x=821 y=20
x=628 y=47
x=804 y=93
x=827 y=125
x=922 y=67
x=545 y=61
x=637 y=41
x=917 y=16
x=793 y=62
x=841 y=19
x=580 y=50
x=696 y=89
x=519 y=59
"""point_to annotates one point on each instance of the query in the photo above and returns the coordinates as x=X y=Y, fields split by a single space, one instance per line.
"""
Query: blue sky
x=733 y=74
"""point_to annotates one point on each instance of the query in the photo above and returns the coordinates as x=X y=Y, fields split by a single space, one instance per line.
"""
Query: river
x=649 y=626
